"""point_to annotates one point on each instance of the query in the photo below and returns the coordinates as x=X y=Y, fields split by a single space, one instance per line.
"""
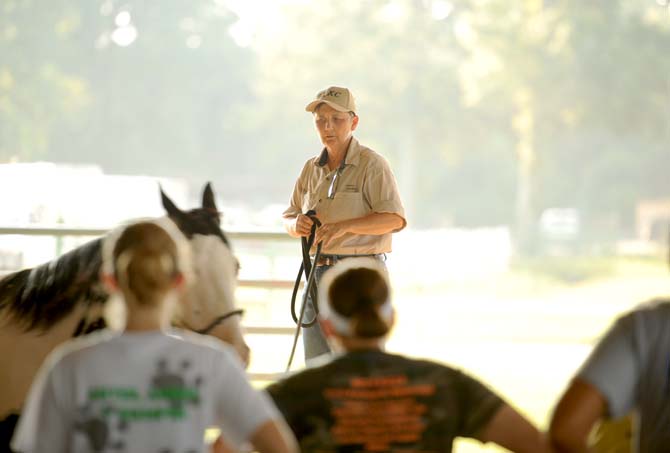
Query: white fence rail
x=56 y=231
x=258 y=236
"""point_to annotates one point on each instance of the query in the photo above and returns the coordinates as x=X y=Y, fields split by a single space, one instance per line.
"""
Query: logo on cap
x=339 y=98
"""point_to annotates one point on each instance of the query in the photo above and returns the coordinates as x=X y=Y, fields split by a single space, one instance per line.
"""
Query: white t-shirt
x=630 y=366
x=139 y=392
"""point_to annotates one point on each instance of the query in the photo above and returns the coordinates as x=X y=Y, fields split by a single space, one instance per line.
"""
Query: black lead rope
x=310 y=287
x=218 y=321
x=309 y=270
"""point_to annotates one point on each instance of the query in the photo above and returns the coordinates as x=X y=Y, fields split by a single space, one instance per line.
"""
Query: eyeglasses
x=333 y=183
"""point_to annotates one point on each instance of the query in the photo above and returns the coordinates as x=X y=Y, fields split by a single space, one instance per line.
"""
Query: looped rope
x=310 y=287
x=309 y=269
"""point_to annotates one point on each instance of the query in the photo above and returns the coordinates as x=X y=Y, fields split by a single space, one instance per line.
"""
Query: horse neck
x=45 y=295
x=22 y=352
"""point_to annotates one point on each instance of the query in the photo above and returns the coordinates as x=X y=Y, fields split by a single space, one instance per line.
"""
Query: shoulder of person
x=67 y=355
x=656 y=305
x=75 y=347
x=313 y=377
x=421 y=366
x=652 y=311
x=644 y=322
x=368 y=153
x=372 y=158
x=308 y=168
x=416 y=362
x=441 y=373
x=206 y=343
x=309 y=163
x=206 y=346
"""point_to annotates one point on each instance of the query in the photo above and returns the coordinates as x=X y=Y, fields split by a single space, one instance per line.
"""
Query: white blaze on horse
x=211 y=299
x=46 y=305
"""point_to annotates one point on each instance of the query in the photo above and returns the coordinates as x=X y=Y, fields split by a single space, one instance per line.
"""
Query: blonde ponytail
x=145 y=262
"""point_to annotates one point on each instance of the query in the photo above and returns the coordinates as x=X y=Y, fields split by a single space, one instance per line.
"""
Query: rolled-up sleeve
x=613 y=367
x=295 y=202
x=381 y=191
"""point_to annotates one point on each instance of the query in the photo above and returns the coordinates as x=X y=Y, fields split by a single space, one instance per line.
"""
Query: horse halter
x=218 y=320
x=84 y=328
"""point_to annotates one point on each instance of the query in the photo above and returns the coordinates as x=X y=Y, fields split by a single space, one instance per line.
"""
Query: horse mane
x=58 y=285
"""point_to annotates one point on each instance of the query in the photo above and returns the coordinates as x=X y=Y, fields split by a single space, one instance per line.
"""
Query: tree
x=489 y=110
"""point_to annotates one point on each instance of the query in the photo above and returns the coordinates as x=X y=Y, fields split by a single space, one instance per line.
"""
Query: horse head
x=209 y=302
x=43 y=306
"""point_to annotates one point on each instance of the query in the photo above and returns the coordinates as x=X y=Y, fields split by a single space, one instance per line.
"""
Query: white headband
x=341 y=323
x=184 y=264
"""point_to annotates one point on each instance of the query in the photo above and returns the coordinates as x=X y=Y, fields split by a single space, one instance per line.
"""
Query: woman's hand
x=303 y=225
x=328 y=232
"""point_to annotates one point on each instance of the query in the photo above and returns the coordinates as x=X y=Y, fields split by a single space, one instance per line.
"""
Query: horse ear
x=169 y=206
x=208 y=199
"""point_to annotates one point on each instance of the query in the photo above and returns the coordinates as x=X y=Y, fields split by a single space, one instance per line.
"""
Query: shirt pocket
x=347 y=205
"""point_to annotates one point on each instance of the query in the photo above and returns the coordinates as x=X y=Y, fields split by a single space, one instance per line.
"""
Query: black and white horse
x=46 y=305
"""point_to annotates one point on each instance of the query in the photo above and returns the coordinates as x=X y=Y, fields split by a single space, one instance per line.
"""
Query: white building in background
x=79 y=195
x=48 y=194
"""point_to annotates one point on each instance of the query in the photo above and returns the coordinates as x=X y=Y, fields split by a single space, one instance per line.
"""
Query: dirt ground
x=524 y=339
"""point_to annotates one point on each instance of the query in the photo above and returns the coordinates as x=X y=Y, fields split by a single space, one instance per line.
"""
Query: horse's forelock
x=202 y=221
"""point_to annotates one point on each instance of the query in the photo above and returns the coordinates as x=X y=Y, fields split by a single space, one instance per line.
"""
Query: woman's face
x=334 y=127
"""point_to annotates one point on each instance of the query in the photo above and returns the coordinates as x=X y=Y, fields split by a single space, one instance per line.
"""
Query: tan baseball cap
x=337 y=97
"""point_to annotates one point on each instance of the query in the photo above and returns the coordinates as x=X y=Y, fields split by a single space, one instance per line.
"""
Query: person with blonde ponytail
x=149 y=387
x=368 y=400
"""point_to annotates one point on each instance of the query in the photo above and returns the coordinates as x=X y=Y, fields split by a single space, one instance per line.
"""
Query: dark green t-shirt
x=371 y=401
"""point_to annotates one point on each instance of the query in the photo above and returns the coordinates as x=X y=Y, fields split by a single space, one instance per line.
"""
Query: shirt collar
x=352 y=158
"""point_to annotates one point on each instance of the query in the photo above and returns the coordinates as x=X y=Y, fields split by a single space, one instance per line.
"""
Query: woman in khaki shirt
x=353 y=192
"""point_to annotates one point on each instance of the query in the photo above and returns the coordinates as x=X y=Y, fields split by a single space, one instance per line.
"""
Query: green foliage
x=143 y=108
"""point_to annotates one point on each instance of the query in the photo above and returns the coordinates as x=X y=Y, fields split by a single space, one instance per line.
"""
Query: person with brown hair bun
x=148 y=388
x=369 y=400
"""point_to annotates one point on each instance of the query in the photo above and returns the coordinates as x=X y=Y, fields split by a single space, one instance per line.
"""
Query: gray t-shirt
x=139 y=392
x=631 y=368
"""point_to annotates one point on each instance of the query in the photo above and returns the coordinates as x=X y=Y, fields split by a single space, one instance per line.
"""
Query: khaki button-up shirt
x=365 y=184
